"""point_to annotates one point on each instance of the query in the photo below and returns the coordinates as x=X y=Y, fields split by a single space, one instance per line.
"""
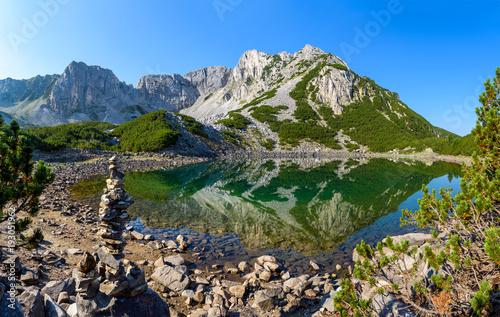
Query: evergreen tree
x=471 y=220
x=21 y=182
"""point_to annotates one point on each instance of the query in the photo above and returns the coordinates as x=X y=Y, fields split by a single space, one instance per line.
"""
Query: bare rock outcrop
x=210 y=79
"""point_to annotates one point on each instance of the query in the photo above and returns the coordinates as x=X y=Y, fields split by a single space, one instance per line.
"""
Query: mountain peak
x=310 y=50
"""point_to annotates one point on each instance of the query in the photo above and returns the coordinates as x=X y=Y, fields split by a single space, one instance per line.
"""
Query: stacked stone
x=112 y=212
x=86 y=276
x=117 y=280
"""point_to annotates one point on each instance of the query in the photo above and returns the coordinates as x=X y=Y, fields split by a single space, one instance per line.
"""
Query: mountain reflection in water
x=307 y=205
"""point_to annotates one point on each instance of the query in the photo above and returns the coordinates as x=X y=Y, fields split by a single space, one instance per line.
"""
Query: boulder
x=31 y=301
x=266 y=258
x=238 y=290
x=147 y=304
x=14 y=310
x=171 y=278
x=15 y=262
x=390 y=306
x=417 y=238
x=54 y=288
x=199 y=313
x=30 y=277
x=217 y=311
x=265 y=275
x=174 y=260
x=302 y=286
x=199 y=297
x=327 y=301
x=52 y=309
x=263 y=301
x=274 y=292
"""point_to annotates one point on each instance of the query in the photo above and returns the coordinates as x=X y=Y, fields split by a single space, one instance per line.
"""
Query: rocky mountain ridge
x=309 y=100
x=85 y=93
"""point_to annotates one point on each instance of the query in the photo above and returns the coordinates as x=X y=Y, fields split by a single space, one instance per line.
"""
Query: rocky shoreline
x=45 y=281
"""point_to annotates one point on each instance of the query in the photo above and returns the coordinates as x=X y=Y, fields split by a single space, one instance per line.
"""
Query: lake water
x=296 y=210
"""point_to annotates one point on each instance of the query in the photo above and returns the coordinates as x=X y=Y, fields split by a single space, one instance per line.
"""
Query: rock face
x=85 y=92
x=258 y=72
x=167 y=92
x=25 y=90
x=82 y=87
x=207 y=80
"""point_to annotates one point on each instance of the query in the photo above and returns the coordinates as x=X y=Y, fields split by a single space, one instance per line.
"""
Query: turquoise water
x=296 y=210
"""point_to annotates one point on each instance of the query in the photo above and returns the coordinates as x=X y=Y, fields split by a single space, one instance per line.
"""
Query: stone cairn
x=116 y=280
x=86 y=276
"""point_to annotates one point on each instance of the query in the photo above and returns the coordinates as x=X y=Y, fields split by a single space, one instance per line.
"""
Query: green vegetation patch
x=305 y=112
x=231 y=137
x=292 y=132
x=267 y=95
x=266 y=113
x=268 y=144
x=149 y=132
x=338 y=66
x=236 y=121
x=82 y=135
x=192 y=125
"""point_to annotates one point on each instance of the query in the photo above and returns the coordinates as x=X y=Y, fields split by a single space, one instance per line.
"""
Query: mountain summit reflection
x=307 y=205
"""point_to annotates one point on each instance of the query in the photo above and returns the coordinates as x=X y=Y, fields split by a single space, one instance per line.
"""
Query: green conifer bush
x=466 y=257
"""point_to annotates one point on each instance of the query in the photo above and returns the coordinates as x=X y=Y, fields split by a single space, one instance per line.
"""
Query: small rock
x=75 y=251
x=243 y=266
x=30 y=277
x=86 y=263
x=188 y=293
x=310 y=293
x=137 y=235
x=265 y=275
x=314 y=266
x=238 y=291
x=63 y=298
x=199 y=297
x=160 y=262
x=266 y=258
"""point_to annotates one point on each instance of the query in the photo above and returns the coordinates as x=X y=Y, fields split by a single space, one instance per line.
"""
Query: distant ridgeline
x=306 y=101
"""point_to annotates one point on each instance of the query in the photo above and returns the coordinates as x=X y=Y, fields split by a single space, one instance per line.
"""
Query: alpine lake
x=297 y=210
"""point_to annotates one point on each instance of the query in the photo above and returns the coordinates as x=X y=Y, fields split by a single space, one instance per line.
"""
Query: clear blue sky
x=435 y=54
